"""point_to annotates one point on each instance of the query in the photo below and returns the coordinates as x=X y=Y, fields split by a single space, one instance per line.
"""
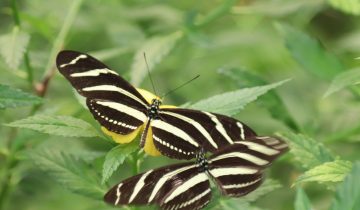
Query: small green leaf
x=302 y=201
x=308 y=52
x=271 y=101
x=74 y=174
x=57 y=125
x=348 y=193
x=155 y=49
x=307 y=151
x=115 y=158
x=13 y=46
x=344 y=79
x=231 y=103
x=347 y=6
x=327 y=172
x=12 y=98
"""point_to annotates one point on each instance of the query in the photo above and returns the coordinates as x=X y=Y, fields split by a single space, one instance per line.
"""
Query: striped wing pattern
x=237 y=170
x=115 y=103
x=174 y=132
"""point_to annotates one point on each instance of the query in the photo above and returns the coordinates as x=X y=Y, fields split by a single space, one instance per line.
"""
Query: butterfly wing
x=238 y=169
x=180 y=133
x=177 y=186
x=116 y=104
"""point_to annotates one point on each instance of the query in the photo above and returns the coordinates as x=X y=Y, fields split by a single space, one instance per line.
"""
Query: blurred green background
x=231 y=44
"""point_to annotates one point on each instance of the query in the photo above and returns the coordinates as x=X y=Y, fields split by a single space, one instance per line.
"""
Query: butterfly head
x=202 y=161
x=154 y=108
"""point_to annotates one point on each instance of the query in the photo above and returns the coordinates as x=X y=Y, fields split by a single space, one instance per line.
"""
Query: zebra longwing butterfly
x=124 y=111
x=236 y=170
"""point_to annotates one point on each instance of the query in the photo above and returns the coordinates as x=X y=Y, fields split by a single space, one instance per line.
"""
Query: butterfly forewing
x=211 y=131
x=116 y=104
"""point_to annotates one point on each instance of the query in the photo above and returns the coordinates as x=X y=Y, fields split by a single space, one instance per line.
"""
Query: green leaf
x=302 y=201
x=57 y=125
x=307 y=151
x=74 y=174
x=327 y=172
x=344 y=79
x=155 y=49
x=309 y=53
x=115 y=158
x=347 y=6
x=271 y=101
x=231 y=103
x=348 y=193
x=12 y=98
x=13 y=46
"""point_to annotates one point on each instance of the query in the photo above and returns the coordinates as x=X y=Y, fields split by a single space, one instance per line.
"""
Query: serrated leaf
x=302 y=201
x=307 y=151
x=271 y=101
x=74 y=174
x=327 y=172
x=156 y=49
x=57 y=125
x=230 y=103
x=344 y=79
x=309 y=53
x=348 y=193
x=347 y=6
x=13 y=46
x=12 y=98
x=115 y=158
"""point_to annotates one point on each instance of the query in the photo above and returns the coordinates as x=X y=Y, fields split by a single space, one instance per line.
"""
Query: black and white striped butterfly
x=124 y=111
x=236 y=170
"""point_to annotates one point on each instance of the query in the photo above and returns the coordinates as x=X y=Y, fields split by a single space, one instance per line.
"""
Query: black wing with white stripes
x=115 y=103
x=237 y=170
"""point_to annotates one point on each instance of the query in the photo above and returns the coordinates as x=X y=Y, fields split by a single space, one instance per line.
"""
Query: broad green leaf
x=271 y=101
x=348 y=193
x=230 y=103
x=347 y=6
x=302 y=201
x=309 y=53
x=327 y=172
x=72 y=173
x=57 y=125
x=344 y=79
x=13 y=46
x=115 y=158
x=308 y=151
x=12 y=98
x=155 y=49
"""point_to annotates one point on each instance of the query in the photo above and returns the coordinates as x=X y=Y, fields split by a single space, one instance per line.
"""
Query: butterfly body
x=124 y=111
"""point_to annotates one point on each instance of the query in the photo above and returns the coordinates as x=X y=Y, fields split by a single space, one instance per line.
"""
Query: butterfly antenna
x=197 y=76
x=148 y=70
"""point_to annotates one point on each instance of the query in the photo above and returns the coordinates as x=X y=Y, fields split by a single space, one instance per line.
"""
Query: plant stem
x=59 y=42
x=216 y=13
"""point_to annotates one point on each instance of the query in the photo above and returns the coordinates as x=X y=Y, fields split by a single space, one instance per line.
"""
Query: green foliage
x=308 y=151
x=308 y=52
x=72 y=173
x=57 y=125
x=232 y=102
x=155 y=49
x=327 y=172
x=180 y=39
x=115 y=157
x=302 y=201
x=347 y=6
x=13 y=46
x=12 y=98
x=344 y=79
x=348 y=193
